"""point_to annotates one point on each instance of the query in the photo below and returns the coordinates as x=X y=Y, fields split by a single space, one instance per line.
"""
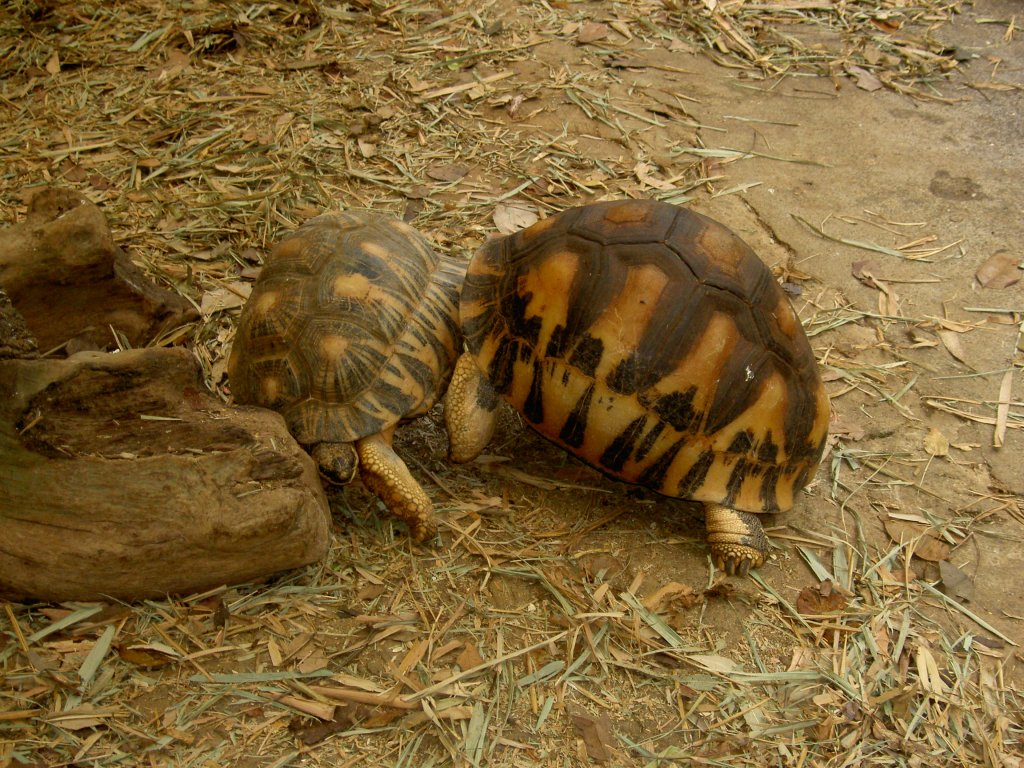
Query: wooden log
x=70 y=281
x=15 y=338
x=121 y=476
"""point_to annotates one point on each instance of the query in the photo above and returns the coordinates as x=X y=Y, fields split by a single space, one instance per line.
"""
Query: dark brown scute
x=622 y=447
x=533 y=408
x=575 y=426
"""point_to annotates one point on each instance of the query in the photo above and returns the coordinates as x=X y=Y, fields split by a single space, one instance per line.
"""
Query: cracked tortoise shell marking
x=653 y=344
x=352 y=327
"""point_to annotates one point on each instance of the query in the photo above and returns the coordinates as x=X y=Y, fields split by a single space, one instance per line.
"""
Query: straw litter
x=562 y=622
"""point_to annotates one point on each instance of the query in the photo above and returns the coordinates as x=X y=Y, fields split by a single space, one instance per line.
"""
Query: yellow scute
x=333 y=347
x=374 y=249
x=703 y=366
x=356 y=287
x=549 y=283
x=264 y=303
x=767 y=413
x=271 y=390
x=621 y=326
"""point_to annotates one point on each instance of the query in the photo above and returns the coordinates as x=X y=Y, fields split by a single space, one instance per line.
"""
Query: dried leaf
x=371 y=592
x=448 y=171
x=928 y=546
x=591 y=32
x=366 y=148
x=53 y=64
x=344 y=718
x=148 y=655
x=511 y=217
x=864 y=271
x=1000 y=270
x=1003 y=409
x=954 y=582
x=951 y=340
x=865 y=80
x=176 y=63
x=888 y=300
x=713 y=663
x=228 y=296
x=667 y=594
x=842 y=428
x=469 y=658
x=82 y=716
x=935 y=443
x=644 y=174
x=815 y=601
x=595 y=730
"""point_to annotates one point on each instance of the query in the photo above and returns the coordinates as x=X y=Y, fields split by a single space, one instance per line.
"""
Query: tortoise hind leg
x=470 y=411
x=386 y=475
x=738 y=542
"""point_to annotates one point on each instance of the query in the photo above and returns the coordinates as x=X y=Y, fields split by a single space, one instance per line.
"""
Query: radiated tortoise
x=652 y=343
x=352 y=327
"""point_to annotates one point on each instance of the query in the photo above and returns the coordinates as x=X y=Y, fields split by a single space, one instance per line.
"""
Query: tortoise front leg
x=738 y=542
x=386 y=475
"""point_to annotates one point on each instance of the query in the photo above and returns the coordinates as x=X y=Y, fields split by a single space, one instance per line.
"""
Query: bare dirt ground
x=561 y=618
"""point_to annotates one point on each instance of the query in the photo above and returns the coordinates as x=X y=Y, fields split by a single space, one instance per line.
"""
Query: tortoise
x=352 y=327
x=653 y=344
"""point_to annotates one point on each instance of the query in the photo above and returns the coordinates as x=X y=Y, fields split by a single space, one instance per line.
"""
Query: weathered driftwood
x=121 y=476
x=15 y=338
x=71 y=282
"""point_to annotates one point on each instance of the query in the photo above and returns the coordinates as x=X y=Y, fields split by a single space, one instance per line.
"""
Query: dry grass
x=206 y=129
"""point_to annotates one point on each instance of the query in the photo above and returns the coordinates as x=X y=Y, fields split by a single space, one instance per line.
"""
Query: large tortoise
x=352 y=327
x=653 y=344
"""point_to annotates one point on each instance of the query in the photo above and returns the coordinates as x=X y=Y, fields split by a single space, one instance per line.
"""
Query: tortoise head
x=337 y=462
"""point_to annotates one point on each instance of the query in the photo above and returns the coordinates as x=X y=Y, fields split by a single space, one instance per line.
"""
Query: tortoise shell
x=350 y=328
x=652 y=343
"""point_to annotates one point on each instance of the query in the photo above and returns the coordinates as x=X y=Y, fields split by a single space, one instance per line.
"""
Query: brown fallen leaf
x=228 y=296
x=344 y=718
x=447 y=171
x=72 y=171
x=935 y=443
x=848 y=430
x=595 y=730
x=954 y=582
x=1000 y=270
x=591 y=32
x=1003 y=409
x=469 y=658
x=888 y=300
x=815 y=601
x=176 y=63
x=413 y=208
x=864 y=271
x=366 y=148
x=670 y=593
x=644 y=173
x=511 y=217
x=82 y=716
x=818 y=601
x=148 y=655
x=865 y=80
x=951 y=341
x=928 y=547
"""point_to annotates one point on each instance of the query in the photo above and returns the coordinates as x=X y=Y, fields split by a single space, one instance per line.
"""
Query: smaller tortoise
x=352 y=327
x=653 y=344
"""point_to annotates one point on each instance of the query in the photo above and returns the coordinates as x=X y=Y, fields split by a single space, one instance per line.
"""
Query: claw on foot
x=737 y=540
